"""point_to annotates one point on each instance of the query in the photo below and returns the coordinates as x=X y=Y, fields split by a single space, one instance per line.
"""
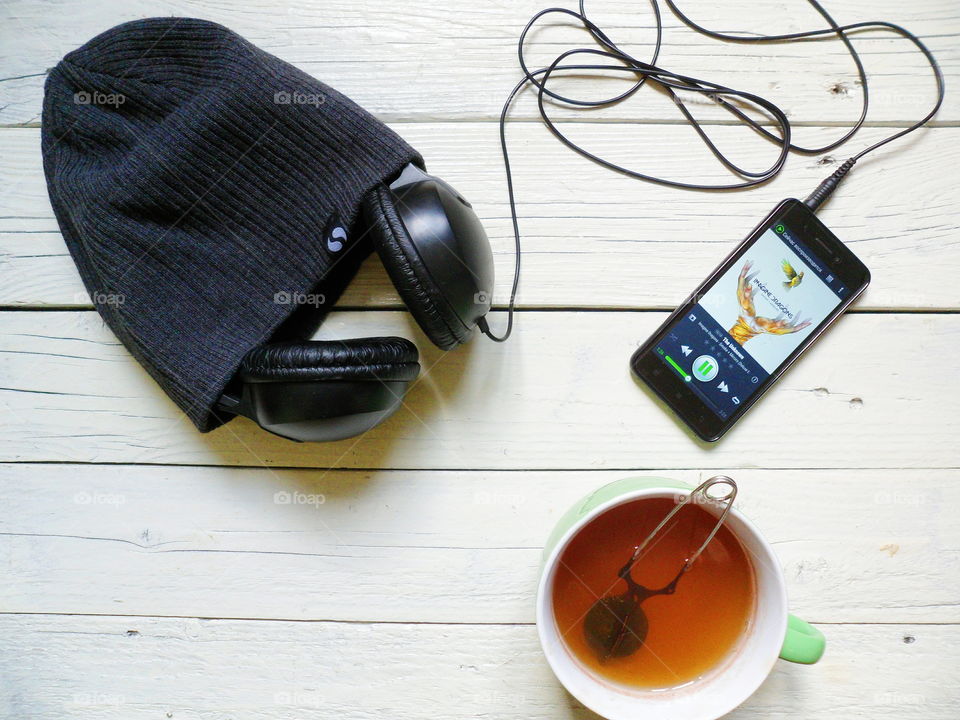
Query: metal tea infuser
x=616 y=626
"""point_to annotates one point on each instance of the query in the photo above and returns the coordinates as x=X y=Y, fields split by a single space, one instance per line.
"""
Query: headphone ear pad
x=374 y=358
x=325 y=390
x=424 y=299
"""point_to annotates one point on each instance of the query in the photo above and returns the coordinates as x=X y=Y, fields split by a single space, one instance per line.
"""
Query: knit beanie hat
x=203 y=186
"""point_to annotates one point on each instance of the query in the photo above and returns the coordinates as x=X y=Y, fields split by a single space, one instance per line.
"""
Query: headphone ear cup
x=376 y=358
x=424 y=299
x=324 y=390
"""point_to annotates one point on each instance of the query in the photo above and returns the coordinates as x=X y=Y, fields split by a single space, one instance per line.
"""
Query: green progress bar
x=673 y=364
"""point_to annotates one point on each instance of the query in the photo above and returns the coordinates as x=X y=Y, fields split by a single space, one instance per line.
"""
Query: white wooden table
x=149 y=571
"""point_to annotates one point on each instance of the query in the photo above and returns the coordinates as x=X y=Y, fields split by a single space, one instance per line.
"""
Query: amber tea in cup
x=685 y=633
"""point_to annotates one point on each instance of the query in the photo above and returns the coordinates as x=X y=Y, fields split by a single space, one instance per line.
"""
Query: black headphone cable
x=672 y=82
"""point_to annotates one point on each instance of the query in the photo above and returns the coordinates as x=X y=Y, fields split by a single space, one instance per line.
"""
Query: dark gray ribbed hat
x=194 y=177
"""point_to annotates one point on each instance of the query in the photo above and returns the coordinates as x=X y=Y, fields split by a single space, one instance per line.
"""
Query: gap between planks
x=120 y=616
x=380 y=468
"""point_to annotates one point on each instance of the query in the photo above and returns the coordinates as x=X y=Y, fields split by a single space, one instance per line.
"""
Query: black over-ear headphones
x=437 y=255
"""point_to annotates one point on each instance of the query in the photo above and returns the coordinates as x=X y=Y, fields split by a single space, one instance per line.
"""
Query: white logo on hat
x=336 y=238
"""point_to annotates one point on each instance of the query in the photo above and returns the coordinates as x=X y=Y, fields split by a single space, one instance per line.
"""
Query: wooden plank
x=558 y=395
x=651 y=245
x=451 y=546
x=126 y=669
x=458 y=59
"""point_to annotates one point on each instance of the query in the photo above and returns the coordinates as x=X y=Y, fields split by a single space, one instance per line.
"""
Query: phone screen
x=750 y=319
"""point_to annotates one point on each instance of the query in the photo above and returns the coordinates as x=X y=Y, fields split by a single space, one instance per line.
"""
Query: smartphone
x=750 y=320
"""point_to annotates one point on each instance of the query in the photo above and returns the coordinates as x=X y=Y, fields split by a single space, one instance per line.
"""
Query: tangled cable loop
x=775 y=129
x=724 y=97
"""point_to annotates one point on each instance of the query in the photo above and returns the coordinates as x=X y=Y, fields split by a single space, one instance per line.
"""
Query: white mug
x=771 y=633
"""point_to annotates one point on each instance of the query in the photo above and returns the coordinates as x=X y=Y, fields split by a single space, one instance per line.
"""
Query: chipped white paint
x=116 y=668
x=651 y=245
x=208 y=541
x=419 y=62
x=558 y=395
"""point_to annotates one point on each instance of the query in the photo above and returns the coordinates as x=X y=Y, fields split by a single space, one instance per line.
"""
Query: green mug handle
x=803 y=643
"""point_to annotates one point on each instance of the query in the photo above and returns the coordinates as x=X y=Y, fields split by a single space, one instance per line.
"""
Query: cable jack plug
x=826 y=188
x=485 y=328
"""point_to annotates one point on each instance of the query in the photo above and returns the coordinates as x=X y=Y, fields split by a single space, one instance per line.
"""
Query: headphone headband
x=437 y=255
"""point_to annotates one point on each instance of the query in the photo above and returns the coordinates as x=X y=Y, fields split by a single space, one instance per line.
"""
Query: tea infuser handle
x=803 y=644
x=725 y=500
